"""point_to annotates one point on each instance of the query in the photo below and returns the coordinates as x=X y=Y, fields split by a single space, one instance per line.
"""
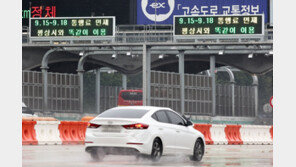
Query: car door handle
x=177 y=131
x=160 y=128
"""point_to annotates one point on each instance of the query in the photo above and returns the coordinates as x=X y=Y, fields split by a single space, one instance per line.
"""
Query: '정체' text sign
x=69 y=27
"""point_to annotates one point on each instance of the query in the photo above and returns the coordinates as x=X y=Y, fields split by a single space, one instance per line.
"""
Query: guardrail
x=149 y=33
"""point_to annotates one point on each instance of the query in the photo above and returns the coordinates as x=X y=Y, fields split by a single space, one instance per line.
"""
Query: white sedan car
x=144 y=131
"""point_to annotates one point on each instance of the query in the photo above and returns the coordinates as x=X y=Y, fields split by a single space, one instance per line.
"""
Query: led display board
x=219 y=25
x=71 y=27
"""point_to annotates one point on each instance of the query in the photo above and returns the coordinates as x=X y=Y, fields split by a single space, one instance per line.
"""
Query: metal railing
x=63 y=92
x=165 y=92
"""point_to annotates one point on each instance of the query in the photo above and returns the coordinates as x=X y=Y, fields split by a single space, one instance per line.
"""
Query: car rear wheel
x=198 y=150
x=156 y=150
x=96 y=156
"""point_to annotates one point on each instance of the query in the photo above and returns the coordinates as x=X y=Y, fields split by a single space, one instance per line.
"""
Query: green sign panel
x=219 y=25
x=67 y=27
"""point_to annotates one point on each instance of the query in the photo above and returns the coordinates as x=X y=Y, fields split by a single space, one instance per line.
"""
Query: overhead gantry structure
x=232 y=54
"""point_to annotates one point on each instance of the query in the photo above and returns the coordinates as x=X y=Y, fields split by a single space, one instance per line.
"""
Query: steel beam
x=188 y=51
x=182 y=80
x=45 y=90
x=148 y=43
x=80 y=75
x=212 y=71
x=124 y=81
x=255 y=86
x=44 y=69
x=232 y=82
x=146 y=74
x=98 y=90
x=80 y=70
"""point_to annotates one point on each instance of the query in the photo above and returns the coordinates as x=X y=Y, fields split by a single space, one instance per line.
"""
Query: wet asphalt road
x=215 y=156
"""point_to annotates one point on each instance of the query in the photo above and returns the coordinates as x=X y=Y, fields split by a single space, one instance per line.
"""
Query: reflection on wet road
x=215 y=156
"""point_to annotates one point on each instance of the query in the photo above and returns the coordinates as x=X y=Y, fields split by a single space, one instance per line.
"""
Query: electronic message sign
x=219 y=25
x=71 y=27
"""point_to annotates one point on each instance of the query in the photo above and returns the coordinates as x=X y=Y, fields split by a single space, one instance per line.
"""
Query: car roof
x=142 y=107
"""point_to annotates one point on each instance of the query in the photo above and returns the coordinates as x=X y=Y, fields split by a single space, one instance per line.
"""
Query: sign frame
x=57 y=38
x=219 y=36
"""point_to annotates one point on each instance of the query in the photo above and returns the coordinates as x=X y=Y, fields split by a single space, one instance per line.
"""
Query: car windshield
x=123 y=113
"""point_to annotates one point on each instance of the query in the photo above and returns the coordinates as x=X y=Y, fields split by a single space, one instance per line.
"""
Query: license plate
x=110 y=129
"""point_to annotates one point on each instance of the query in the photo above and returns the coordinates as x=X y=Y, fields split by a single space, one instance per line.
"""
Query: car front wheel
x=198 y=150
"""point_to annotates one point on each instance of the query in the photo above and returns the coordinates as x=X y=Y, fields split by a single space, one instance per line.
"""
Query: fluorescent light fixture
x=114 y=56
x=128 y=53
x=271 y=52
x=250 y=55
x=81 y=53
x=161 y=56
x=221 y=52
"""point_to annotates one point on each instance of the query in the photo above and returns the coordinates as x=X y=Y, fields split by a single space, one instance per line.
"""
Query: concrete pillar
x=212 y=71
x=98 y=90
x=124 y=81
x=182 y=80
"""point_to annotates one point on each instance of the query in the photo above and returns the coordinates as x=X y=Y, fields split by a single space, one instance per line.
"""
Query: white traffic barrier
x=47 y=132
x=247 y=134
x=255 y=134
x=264 y=134
x=218 y=134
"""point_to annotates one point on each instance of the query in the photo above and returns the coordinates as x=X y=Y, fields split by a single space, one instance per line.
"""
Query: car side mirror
x=188 y=121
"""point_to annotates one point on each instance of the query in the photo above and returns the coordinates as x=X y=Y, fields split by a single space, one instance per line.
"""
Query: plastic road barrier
x=247 y=134
x=72 y=132
x=205 y=130
x=218 y=134
x=233 y=134
x=255 y=134
x=263 y=135
x=87 y=118
x=47 y=132
x=28 y=133
x=39 y=119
